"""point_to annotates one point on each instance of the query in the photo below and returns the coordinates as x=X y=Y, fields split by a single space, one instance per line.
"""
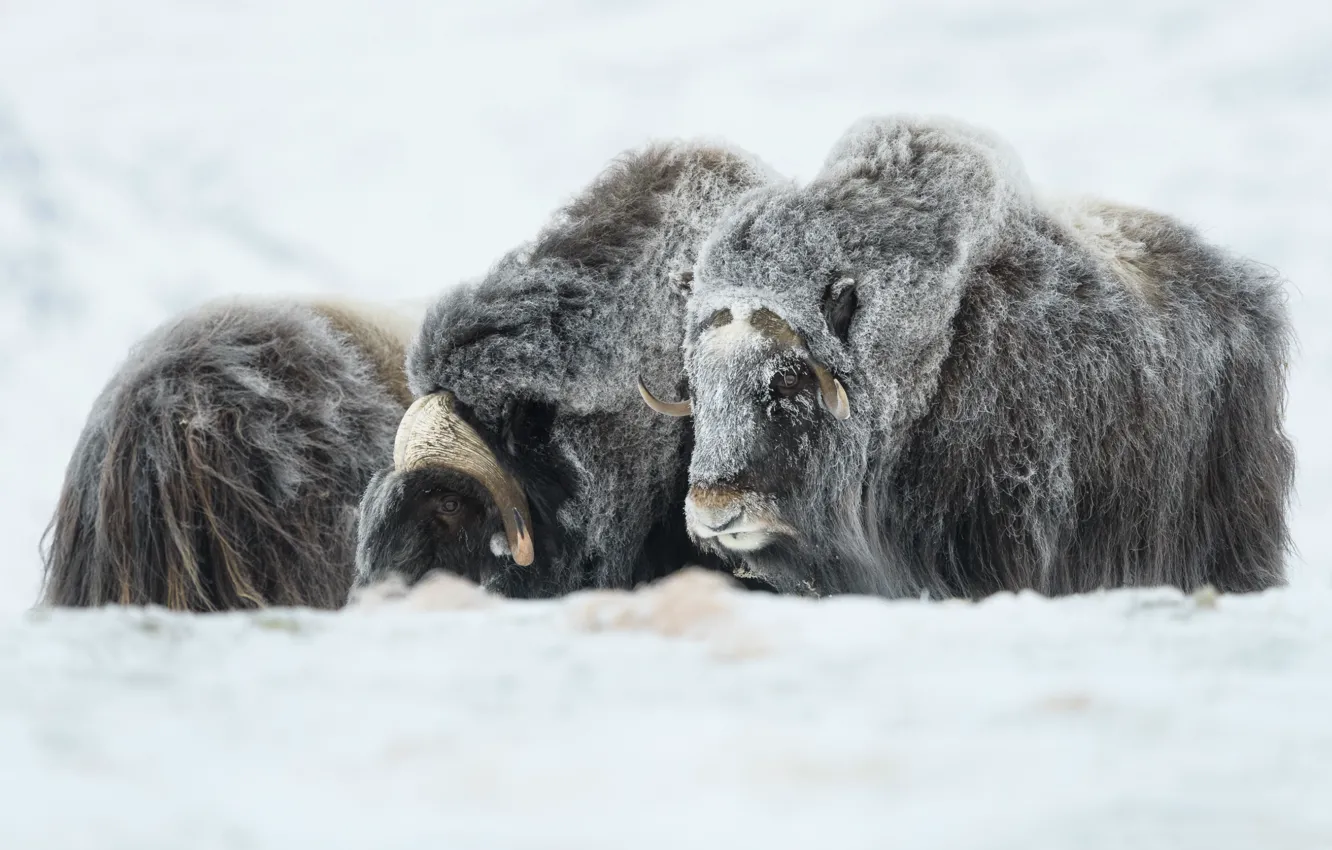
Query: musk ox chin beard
x=761 y=556
x=780 y=566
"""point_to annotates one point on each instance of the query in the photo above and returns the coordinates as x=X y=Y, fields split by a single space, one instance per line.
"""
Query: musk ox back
x=222 y=464
x=529 y=462
x=912 y=376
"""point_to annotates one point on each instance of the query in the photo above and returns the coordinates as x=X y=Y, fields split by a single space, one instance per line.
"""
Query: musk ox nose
x=713 y=509
x=734 y=519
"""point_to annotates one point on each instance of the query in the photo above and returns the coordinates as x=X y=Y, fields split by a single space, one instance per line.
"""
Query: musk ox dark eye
x=450 y=506
x=790 y=382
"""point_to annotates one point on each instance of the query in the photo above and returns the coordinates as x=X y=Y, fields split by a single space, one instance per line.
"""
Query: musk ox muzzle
x=735 y=519
x=433 y=435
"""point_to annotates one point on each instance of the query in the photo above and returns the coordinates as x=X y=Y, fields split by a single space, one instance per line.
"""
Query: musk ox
x=528 y=462
x=223 y=464
x=912 y=376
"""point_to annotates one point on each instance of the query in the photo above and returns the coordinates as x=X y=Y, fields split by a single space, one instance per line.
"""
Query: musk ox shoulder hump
x=1154 y=255
x=936 y=158
x=608 y=223
x=1118 y=237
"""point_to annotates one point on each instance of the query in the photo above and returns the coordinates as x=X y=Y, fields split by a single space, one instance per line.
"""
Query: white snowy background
x=155 y=154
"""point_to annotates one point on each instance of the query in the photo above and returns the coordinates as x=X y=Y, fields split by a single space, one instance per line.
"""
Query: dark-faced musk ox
x=529 y=463
x=912 y=376
x=222 y=465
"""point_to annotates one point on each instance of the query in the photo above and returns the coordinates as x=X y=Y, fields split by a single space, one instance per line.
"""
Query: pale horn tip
x=668 y=408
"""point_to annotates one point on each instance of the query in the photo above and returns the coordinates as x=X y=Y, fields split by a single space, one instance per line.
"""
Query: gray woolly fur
x=1054 y=395
x=543 y=354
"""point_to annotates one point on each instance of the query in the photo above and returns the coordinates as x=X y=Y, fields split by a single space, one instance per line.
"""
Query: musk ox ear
x=527 y=426
x=839 y=307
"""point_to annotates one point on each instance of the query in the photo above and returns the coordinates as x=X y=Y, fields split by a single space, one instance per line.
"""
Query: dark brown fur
x=222 y=465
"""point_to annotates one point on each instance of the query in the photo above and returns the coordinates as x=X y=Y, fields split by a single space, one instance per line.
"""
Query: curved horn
x=670 y=408
x=832 y=392
x=432 y=434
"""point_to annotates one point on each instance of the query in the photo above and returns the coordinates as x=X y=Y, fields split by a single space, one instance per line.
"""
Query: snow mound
x=436 y=592
x=689 y=603
x=693 y=603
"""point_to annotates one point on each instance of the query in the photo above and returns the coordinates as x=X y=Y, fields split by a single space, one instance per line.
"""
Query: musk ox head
x=536 y=470
x=467 y=496
x=433 y=436
x=778 y=456
x=816 y=330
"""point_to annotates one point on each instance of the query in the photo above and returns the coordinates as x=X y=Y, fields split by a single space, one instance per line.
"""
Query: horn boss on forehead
x=432 y=434
x=772 y=326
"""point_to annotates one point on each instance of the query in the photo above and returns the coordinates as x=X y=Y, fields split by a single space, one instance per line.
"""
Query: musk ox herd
x=910 y=375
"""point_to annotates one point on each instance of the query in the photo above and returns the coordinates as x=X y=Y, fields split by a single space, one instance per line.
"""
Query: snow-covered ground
x=689 y=716
x=157 y=153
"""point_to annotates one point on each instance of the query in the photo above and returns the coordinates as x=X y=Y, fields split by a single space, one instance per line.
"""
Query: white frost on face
x=499 y=545
x=731 y=367
x=721 y=370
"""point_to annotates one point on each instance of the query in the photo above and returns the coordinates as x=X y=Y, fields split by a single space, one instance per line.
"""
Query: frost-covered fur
x=1055 y=397
x=222 y=465
x=543 y=355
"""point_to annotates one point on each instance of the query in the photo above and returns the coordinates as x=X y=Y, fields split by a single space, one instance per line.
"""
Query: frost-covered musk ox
x=911 y=376
x=529 y=463
x=222 y=465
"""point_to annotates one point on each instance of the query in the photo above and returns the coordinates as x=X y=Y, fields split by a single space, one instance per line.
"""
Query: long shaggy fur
x=1056 y=396
x=222 y=465
x=543 y=355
